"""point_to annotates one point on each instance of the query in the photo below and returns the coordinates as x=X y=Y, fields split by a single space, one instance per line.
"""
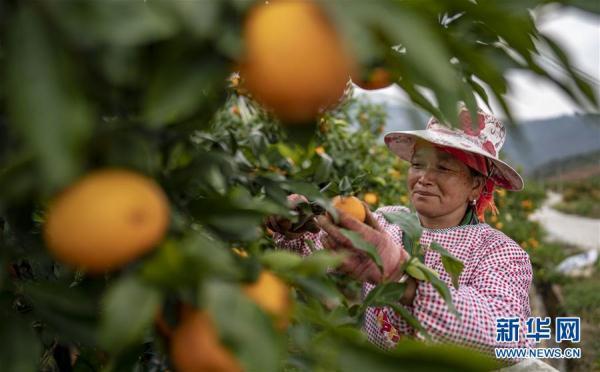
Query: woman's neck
x=443 y=222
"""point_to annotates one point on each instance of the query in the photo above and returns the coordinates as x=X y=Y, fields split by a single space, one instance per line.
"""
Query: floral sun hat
x=485 y=139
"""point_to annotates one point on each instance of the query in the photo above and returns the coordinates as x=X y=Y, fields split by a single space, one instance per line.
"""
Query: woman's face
x=440 y=185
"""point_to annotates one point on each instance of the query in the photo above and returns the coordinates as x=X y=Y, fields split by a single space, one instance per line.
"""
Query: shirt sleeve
x=299 y=245
x=499 y=289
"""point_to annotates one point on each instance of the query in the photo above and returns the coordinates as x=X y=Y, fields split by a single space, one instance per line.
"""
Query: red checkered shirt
x=494 y=283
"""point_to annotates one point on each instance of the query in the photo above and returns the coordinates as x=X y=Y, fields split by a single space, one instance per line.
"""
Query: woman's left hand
x=357 y=263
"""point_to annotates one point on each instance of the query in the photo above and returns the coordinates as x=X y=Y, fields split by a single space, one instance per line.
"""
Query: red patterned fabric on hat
x=485 y=138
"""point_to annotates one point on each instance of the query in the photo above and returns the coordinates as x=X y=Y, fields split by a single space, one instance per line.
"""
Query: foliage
x=581 y=198
x=142 y=86
x=581 y=298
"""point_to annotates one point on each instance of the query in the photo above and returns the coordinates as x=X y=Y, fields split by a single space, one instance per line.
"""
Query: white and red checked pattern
x=494 y=283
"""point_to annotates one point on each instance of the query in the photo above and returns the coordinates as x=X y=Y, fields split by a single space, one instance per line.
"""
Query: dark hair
x=475 y=173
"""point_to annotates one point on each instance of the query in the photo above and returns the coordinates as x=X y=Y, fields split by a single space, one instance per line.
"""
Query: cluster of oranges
x=111 y=217
x=195 y=343
x=296 y=64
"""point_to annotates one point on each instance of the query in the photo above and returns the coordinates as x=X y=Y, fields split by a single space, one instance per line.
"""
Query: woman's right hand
x=288 y=228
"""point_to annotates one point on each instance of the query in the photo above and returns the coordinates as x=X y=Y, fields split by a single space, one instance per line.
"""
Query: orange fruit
x=295 y=62
x=106 y=219
x=351 y=205
x=371 y=198
x=378 y=78
x=272 y=295
x=195 y=346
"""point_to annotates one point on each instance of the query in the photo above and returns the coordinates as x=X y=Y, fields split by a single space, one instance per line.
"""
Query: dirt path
x=580 y=231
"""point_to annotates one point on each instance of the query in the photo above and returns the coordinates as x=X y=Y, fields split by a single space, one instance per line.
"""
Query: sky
x=530 y=98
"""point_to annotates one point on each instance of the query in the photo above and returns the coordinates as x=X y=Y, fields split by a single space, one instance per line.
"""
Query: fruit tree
x=143 y=143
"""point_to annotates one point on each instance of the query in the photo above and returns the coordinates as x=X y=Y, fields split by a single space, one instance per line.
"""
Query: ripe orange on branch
x=106 y=219
x=377 y=78
x=371 y=198
x=351 y=205
x=195 y=346
x=295 y=62
x=272 y=295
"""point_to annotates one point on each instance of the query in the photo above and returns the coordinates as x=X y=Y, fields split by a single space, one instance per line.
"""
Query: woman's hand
x=358 y=264
x=286 y=227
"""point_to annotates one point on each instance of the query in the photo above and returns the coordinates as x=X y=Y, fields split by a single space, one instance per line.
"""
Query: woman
x=451 y=180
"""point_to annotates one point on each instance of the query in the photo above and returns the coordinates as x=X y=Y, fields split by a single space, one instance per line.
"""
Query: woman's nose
x=427 y=176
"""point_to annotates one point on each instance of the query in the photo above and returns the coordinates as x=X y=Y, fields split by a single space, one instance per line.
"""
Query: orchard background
x=152 y=87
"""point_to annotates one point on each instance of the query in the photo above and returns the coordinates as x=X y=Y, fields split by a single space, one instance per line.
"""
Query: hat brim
x=403 y=144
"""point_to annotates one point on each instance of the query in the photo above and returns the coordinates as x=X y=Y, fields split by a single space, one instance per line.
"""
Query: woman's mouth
x=423 y=193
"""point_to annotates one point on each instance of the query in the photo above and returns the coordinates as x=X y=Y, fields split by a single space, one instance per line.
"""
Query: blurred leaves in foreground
x=143 y=85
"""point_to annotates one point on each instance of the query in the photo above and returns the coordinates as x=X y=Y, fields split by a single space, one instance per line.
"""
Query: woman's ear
x=478 y=184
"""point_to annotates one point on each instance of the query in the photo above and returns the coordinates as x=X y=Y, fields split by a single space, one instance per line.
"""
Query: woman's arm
x=500 y=288
x=299 y=244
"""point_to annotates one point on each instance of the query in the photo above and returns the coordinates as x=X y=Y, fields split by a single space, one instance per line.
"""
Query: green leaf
x=379 y=180
x=413 y=269
x=479 y=90
x=130 y=149
x=453 y=265
x=345 y=185
x=583 y=86
x=49 y=111
x=178 y=90
x=167 y=267
x=417 y=269
x=17 y=179
x=124 y=23
x=319 y=262
x=410 y=319
x=317 y=288
x=281 y=260
x=236 y=215
x=359 y=243
x=311 y=245
x=354 y=355
x=323 y=169
x=129 y=307
x=127 y=360
x=426 y=52
x=21 y=349
x=384 y=294
x=443 y=290
x=311 y=192
x=408 y=222
x=183 y=262
x=300 y=134
x=70 y=311
x=200 y=17
x=246 y=329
